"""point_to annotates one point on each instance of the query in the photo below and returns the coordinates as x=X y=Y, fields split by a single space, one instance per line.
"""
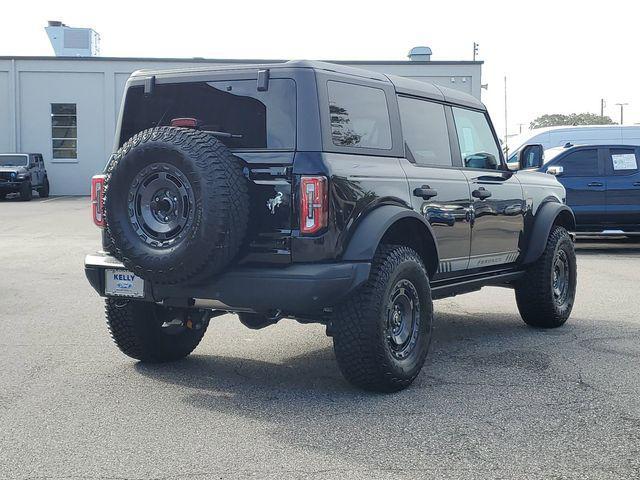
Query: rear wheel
x=151 y=333
x=381 y=335
x=43 y=191
x=26 y=191
x=546 y=294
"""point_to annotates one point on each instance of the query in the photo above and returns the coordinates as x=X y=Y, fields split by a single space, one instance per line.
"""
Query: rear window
x=359 y=116
x=256 y=119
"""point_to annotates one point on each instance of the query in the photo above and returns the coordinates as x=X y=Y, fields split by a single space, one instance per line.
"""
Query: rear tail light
x=97 y=200
x=314 y=204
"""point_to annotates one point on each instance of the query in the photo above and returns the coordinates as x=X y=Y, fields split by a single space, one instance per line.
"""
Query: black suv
x=322 y=193
x=22 y=173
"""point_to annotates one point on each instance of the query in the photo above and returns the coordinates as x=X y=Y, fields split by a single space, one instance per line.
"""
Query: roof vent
x=420 y=54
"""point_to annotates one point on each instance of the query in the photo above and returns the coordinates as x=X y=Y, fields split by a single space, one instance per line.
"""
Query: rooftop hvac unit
x=73 y=42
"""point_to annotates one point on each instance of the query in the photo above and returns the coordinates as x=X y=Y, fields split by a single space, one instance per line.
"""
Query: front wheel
x=151 y=333
x=381 y=335
x=546 y=294
x=26 y=191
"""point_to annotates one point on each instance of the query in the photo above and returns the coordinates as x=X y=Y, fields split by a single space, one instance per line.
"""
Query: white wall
x=38 y=90
x=28 y=87
x=5 y=114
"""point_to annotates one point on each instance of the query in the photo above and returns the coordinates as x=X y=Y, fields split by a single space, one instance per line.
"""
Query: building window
x=64 y=130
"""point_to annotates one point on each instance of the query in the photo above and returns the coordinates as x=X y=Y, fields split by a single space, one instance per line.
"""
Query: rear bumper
x=294 y=289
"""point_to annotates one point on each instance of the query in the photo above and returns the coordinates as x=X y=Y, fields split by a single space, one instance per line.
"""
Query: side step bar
x=442 y=289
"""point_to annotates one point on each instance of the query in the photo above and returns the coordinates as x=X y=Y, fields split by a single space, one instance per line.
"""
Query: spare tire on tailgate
x=176 y=204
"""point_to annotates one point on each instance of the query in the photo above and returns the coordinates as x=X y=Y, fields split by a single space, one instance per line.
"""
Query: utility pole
x=622 y=112
x=602 y=105
x=506 y=129
x=475 y=50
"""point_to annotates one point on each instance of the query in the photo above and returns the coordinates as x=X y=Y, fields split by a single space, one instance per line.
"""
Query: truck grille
x=5 y=176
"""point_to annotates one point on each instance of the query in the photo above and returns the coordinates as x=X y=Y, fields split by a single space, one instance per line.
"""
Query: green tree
x=558 y=119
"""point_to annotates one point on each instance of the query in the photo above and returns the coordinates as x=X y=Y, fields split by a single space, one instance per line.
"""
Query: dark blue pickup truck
x=602 y=183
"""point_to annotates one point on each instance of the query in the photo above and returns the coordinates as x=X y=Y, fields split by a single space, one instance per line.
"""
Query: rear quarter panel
x=357 y=185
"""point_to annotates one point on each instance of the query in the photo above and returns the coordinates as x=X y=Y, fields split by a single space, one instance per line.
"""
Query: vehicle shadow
x=11 y=197
x=464 y=340
x=490 y=377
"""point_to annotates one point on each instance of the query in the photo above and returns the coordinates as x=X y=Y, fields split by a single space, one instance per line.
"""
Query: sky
x=558 y=56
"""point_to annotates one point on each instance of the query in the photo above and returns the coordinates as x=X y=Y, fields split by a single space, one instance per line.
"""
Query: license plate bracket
x=122 y=283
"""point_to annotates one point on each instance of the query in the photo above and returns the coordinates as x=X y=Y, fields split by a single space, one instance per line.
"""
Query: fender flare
x=369 y=232
x=544 y=220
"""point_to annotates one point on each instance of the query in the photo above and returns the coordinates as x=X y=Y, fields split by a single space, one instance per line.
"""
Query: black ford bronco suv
x=321 y=193
x=22 y=173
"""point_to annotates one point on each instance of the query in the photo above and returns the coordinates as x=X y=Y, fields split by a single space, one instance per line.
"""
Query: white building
x=66 y=107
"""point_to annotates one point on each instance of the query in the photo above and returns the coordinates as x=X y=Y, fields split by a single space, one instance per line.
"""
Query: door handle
x=426 y=192
x=595 y=184
x=636 y=184
x=481 y=193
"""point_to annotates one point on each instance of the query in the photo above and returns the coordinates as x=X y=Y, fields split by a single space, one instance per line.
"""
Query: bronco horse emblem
x=274 y=203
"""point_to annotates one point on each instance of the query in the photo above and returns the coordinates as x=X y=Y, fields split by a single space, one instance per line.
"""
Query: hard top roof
x=402 y=85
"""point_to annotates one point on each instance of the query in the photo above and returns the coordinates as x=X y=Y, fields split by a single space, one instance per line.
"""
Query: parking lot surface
x=496 y=399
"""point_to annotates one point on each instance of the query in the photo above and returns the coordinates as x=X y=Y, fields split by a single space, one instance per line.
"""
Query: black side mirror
x=531 y=156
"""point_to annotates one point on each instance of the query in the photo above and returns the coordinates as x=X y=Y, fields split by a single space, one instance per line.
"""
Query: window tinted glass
x=254 y=119
x=424 y=128
x=359 y=116
x=624 y=161
x=583 y=163
x=477 y=144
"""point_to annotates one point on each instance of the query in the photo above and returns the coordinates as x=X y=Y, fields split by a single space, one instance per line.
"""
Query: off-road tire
x=43 y=191
x=26 y=192
x=218 y=215
x=535 y=296
x=360 y=325
x=136 y=329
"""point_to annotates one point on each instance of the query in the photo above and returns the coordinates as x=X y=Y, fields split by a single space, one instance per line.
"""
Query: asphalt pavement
x=496 y=399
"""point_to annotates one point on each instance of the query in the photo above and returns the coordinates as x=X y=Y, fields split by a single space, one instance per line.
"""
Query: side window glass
x=623 y=161
x=478 y=146
x=583 y=163
x=424 y=127
x=359 y=116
